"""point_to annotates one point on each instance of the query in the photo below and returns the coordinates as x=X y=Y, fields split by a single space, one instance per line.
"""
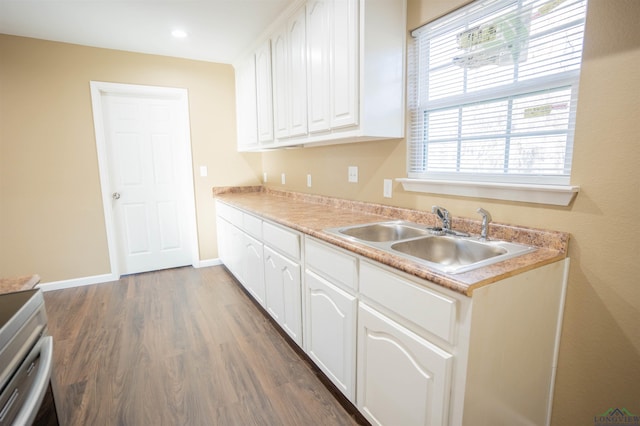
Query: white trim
x=429 y=133
x=209 y=262
x=556 y=352
x=98 y=89
x=557 y=195
x=77 y=282
x=105 y=278
x=526 y=87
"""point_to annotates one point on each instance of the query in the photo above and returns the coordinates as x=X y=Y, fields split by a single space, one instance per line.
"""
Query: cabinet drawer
x=337 y=266
x=252 y=225
x=231 y=214
x=287 y=242
x=428 y=309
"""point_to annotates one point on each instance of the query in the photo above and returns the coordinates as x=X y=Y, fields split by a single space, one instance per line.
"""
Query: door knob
x=115 y=195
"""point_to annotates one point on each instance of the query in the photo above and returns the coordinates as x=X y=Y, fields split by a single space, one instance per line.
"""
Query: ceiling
x=217 y=30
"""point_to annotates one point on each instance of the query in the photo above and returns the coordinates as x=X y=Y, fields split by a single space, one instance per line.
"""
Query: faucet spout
x=486 y=218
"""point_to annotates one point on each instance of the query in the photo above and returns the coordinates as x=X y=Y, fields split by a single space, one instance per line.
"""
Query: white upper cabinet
x=318 y=66
x=280 y=67
x=338 y=74
x=246 y=113
x=264 y=97
x=343 y=33
x=296 y=31
x=289 y=64
x=332 y=34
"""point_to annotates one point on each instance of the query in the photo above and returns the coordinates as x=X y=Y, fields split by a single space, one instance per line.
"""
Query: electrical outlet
x=309 y=181
x=353 y=174
x=204 y=171
x=283 y=179
x=264 y=177
x=388 y=188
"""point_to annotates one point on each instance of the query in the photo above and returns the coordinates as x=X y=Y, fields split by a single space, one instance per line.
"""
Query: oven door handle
x=32 y=402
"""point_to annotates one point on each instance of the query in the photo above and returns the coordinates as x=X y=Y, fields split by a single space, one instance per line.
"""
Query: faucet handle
x=443 y=214
x=440 y=211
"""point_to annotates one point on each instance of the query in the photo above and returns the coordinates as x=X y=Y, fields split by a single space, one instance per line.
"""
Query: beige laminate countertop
x=10 y=285
x=311 y=214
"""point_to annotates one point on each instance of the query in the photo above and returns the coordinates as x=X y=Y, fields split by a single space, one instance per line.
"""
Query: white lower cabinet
x=426 y=355
x=230 y=241
x=430 y=356
x=283 y=288
x=403 y=379
x=253 y=269
x=331 y=331
x=240 y=252
x=265 y=259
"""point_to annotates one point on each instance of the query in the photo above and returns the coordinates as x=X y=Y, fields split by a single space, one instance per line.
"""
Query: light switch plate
x=283 y=178
x=264 y=177
x=309 y=181
x=203 y=171
x=353 y=174
x=388 y=188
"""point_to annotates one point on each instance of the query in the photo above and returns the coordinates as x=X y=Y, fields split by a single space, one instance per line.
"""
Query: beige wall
x=51 y=214
x=599 y=365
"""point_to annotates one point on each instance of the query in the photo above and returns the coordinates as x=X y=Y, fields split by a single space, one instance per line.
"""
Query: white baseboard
x=98 y=279
x=77 y=282
x=208 y=262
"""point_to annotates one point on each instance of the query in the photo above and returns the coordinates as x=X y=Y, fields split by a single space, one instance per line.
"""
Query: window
x=493 y=90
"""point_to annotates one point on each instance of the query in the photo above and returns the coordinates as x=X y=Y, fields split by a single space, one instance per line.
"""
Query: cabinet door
x=231 y=248
x=330 y=331
x=297 y=38
x=247 y=126
x=318 y=65
x=283 y=293
x=264 y=97
x=402 y=378
x=280 y=65
x=289 y=64
x=344 y=63
x=223 y=239
x=254 y=268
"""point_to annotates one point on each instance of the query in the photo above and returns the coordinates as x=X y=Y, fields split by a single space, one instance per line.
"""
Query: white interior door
x=148 y=175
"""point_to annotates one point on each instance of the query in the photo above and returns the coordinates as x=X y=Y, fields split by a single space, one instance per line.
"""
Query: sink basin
x=386 y=231
x=452 y=254
x=449 y=251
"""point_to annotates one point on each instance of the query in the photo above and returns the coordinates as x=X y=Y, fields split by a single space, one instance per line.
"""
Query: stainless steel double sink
x=451 y=254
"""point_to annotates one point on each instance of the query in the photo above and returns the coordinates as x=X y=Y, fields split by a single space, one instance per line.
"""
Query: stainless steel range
x=26 y=357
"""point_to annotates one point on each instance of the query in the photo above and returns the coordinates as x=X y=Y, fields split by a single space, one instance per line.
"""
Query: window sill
x=557 y=195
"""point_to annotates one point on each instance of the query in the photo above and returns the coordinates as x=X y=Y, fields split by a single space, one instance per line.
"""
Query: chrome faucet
x=443 y=214
x=486 y=218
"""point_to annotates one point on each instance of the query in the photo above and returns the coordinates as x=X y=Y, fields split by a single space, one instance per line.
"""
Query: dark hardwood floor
x=182 y=346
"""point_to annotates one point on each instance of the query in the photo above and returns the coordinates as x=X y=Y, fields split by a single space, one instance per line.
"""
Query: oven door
x=23 y=396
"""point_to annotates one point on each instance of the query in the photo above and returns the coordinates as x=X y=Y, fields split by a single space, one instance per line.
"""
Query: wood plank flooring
x=182 y=346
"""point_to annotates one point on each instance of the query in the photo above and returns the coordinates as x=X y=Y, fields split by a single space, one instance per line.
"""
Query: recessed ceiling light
x=178 y=33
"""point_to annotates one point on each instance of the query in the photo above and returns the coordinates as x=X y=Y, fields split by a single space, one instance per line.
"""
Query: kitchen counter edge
x=311 y=214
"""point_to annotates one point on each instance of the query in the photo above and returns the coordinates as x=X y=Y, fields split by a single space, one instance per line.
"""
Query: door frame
x=100 y=89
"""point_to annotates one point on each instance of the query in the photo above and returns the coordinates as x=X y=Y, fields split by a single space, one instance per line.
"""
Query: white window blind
x=493 y=90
